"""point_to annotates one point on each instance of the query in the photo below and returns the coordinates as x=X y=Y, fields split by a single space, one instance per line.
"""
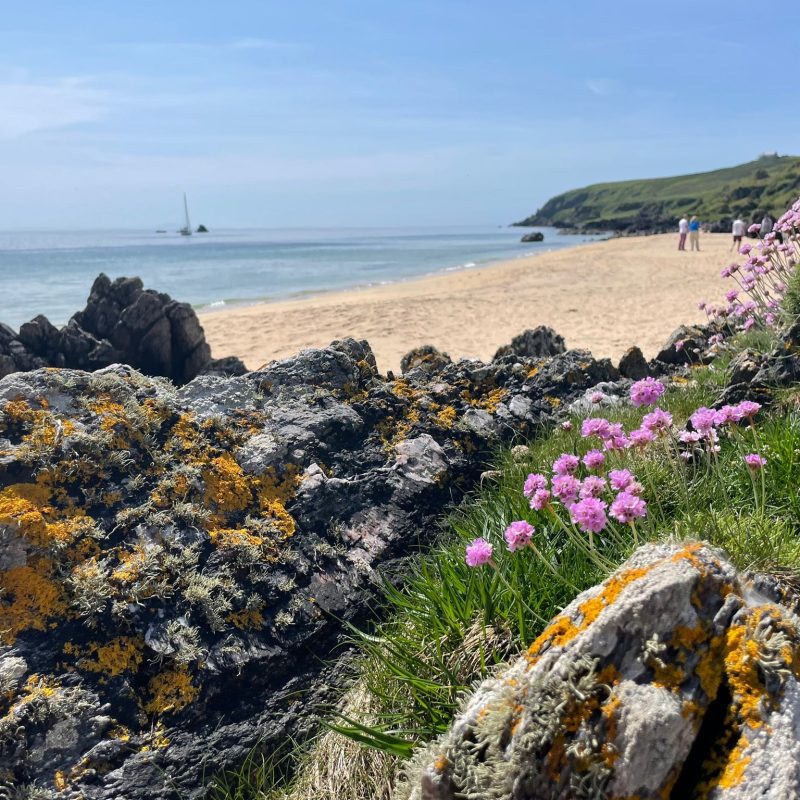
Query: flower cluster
x=762 y=278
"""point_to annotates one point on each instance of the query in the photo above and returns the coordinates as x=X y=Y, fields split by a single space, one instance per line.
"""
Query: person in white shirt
x=738 y=232
x=683 y=229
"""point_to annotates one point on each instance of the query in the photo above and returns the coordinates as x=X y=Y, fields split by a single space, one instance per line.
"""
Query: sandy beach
x=604 y=296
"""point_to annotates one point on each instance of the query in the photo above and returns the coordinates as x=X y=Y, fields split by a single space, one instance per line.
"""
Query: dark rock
x=213 y=544
x=425 y=357
x=745 y=366
x=201 y=229
x=122 y=323
x=633 y=365
x=536 y=236
x=684 y=346
x=228 y=366
x=539 y=342
x=643 y=695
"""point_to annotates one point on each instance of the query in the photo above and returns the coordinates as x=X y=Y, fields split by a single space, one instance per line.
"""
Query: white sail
x=186 y=230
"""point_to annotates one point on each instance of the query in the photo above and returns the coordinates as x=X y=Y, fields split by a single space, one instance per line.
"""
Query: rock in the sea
x=633 y=364
x=122 y=323
x=177 y=563
x=536 y=236
x=676 y=677
x=426 y=357
x=539 y=342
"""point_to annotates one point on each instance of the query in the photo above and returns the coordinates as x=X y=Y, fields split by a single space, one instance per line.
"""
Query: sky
x=276 y=113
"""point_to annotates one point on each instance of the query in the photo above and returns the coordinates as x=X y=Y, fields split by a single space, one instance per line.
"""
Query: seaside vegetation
x=769 y=183
x=560 y=514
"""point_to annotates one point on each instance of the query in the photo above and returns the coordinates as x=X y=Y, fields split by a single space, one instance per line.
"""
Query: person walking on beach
x=738 y=232
x=694 y=234
x=683 y=229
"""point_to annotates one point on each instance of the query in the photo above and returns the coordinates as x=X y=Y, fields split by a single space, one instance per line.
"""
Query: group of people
x=691 y=228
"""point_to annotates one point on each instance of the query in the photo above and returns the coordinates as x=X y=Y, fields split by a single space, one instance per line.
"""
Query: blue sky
x=296 y=113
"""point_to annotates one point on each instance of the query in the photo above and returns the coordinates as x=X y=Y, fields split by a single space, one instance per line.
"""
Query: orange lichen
x=741 y=672
x=733 y=774
x=123 y=654
x=171 y=691
x=113 y=420
x=29 y=599
x=709 y=668
x=446 y=417
x=234 y=537
x=246 y=619
x=441 y=763
x=130 y=564
x=60 y=780
x=226 y=486
x=489 y=402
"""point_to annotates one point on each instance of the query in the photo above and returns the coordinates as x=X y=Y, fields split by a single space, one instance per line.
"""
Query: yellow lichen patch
x=446 y=417
x=37 y=687
x=113 y=420
x=227 y=489
x=555 y=402
x=709 y=668
x=401 y=388
x=489 y=402
x=170 y=491
x=234 y=537
x=733 y=774
x=28 y=599
x=563 y=630
x=60 y=780
x=171 y=691
x=123 y=654
x=441 y=763
x=130 y=564
x=273 y=493
x=741 y=672
x=246 y=619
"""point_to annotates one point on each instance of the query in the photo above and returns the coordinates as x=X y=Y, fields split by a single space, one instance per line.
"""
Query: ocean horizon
x=51 y=272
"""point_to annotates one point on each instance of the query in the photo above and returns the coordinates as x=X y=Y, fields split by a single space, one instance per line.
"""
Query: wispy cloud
x=602 y=87
x=29 y=106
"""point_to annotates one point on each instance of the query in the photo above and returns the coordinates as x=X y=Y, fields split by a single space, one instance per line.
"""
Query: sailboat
x=186 y=230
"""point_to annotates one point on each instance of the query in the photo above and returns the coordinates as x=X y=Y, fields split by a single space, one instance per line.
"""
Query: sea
x=51 y=272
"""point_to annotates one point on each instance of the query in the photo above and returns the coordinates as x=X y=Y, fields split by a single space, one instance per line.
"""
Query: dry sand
x=604 y=296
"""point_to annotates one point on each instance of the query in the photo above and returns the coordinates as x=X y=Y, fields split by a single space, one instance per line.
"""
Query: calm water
x=51 y=272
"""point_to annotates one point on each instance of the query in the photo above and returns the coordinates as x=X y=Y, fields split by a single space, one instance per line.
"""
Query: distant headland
x=768 y=184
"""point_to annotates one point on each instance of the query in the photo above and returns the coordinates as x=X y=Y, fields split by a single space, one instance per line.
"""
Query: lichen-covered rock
x=675 y=678
x=538 y=342
x=426 y=357
x=122 y=322
x=176 y=563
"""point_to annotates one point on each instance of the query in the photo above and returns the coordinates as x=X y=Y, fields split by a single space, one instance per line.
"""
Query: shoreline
x=604 y=296
x=216 y=307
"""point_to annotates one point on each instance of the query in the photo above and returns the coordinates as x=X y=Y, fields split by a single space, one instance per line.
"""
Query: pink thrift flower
x=657 y=421
x=596 y=426
x=620 y=479
x=592 y=486
x=541 y=497
x=617 y=443
x=627 y=507
x=565 y=488
x=566 y=425
x=597 y=397
x=635 y=488
x=565 y=464
x=748 y=323
x=704 y=419
x=748 y=409
x=646 y=392
x=679 y=345
x=518 y=534
x=641 y=437
x=731 y=295
x=594 y=459
x=755 y=462
x=754 y=228
x=478 y=553
x=690 y=437
x=589 y=514
x=745 y=249
x=533 y=483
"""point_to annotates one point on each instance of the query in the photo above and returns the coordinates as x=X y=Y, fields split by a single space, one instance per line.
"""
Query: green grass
x=448 y=626
x=771 y=183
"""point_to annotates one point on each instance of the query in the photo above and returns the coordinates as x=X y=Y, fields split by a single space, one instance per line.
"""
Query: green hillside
x=770 y=183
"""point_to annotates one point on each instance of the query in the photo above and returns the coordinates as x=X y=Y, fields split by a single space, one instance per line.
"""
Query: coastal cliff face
x=177 y=563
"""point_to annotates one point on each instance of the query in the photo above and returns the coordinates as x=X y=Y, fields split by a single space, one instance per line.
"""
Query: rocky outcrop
x=536 y=236
x=539 y=342
x=633 y=364
x=177 y=563
x=122 y=323
x=425 y=357
x=676 y=677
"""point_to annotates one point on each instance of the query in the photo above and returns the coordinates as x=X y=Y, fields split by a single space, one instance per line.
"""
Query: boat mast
x=186 y=213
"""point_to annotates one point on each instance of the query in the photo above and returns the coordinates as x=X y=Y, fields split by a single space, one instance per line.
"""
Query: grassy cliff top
x=769 y=183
